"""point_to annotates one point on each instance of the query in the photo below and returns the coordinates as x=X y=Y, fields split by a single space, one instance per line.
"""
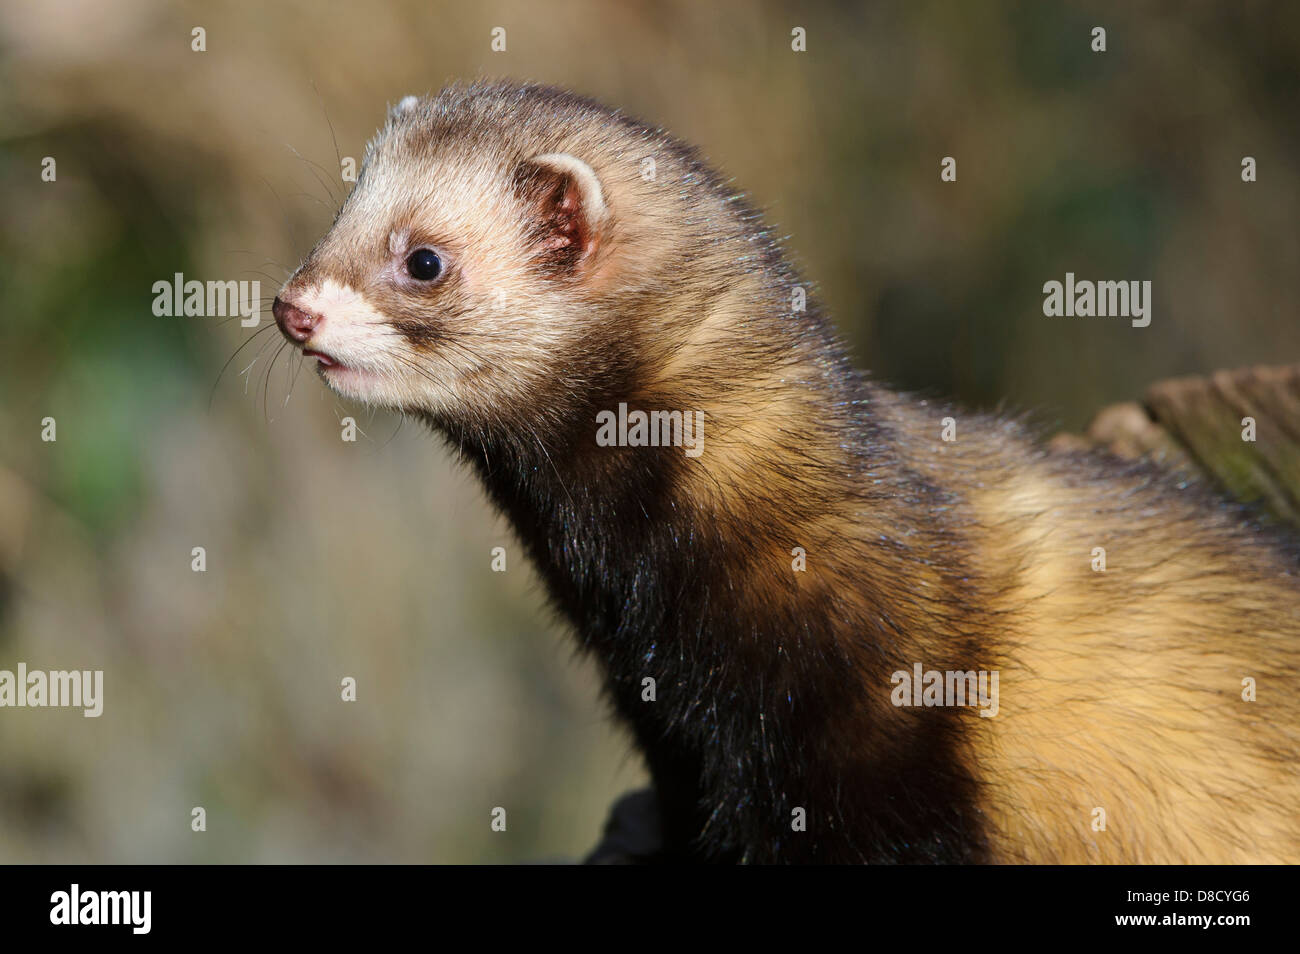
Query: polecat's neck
x=768 y=586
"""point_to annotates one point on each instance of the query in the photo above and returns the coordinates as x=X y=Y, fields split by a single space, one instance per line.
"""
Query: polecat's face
x=452 y=280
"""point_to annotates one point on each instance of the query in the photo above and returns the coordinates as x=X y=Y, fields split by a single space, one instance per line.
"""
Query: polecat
x=522 y=268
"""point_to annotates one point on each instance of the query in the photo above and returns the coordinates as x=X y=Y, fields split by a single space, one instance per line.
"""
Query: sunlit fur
x=1120 y=690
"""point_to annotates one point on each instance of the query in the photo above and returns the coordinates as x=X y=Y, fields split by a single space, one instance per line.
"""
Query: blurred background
x=371 y=559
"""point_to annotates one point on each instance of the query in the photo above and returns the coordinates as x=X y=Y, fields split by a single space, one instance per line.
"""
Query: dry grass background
x=371 y=559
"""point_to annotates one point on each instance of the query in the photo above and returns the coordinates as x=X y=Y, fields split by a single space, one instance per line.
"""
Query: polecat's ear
x=405 y=105
x=568 y=205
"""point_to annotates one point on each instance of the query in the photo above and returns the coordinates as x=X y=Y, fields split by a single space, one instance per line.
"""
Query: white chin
x=355 y=384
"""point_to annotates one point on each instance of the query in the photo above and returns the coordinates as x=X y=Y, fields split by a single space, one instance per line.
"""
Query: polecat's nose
x=294 y=322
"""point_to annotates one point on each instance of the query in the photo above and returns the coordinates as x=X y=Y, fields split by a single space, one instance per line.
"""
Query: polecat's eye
x=424 y=265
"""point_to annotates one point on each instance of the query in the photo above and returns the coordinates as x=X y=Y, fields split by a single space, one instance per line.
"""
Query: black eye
x=424 y=265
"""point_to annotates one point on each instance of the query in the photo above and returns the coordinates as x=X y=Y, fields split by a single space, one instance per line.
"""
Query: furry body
x=573 y=286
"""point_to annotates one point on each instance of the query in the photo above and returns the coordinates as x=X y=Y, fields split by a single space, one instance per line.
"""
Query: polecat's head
x=475 y=266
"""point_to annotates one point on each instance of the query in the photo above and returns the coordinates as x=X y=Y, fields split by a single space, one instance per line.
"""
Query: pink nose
x=296 y=324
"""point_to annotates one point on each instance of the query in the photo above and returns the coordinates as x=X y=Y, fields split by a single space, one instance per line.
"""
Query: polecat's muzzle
x=296 y=324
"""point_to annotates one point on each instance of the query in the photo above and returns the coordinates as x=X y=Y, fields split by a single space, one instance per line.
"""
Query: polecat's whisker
x=266 y=381
x=322 y=177
x=246 y=342
x=293 y=378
